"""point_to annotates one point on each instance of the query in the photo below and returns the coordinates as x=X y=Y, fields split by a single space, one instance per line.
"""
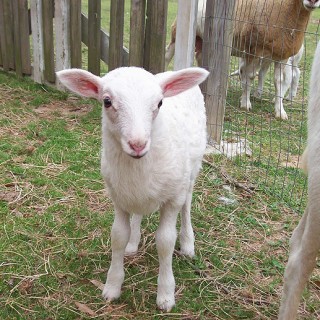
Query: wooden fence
x=57 y=28
x=40 y=37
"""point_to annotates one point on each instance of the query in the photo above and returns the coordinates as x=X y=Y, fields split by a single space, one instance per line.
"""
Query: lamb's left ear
x=175 y=82
x=81 y=82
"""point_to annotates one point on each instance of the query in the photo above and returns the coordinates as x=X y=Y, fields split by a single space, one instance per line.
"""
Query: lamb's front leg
x=120 y=233
x=166 y=236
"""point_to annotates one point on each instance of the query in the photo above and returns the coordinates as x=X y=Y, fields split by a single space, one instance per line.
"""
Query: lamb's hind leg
x=304 y=248
x=135 y=234
x=186 y=231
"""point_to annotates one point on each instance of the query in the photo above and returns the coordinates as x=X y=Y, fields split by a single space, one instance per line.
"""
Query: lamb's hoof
x=131 y=250
x=110 y=293
x=257 y=94
x=246 y=106
x=282 y=115
x=165 y=305
x=187 y=252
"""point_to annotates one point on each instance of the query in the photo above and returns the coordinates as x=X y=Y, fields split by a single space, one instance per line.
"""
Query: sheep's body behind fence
x=268 y=30
x=151 y=156
x=305 y=240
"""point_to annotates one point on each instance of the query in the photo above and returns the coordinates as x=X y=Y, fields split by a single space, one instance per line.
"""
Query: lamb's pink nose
x=137 y=146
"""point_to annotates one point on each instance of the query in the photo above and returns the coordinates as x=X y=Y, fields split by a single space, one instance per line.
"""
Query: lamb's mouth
x=138 y=156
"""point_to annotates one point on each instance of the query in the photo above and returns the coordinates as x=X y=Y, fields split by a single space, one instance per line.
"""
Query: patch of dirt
x=293 y=162
x=64 y=108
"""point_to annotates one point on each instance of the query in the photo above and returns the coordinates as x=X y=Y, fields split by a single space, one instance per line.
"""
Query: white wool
x=150 y=159
x=304 y=242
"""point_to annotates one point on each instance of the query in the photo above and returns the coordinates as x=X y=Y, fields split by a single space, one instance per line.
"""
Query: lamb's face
x=311 y=4
x=131 y=102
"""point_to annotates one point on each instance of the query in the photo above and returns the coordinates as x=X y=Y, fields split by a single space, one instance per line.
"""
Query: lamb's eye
x=107 y=102
x=160 y=104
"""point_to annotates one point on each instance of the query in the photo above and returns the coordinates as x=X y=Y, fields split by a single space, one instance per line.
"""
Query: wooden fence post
x=24 y=36
x=75 y=33
x=48 y=40
x=137 y=28
x=62 y=27
x=37 y=40
x=116 y=34
x=216 y=53
x=3 y=52
x=16 y=38
x=155 y=38
x=94 y=26
x=186 y=33
x=9 y=33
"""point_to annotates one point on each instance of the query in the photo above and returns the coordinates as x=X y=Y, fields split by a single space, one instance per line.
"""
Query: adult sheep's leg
x=165 y=239
x=302 y=261
x=278 y=83
x=247 y=73
x=135 y=234
x=120 y=233
x=265 y=64
x=186 y=231
x=294 y=83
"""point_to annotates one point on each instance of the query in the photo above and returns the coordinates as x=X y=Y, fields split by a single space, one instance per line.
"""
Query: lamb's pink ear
x=81 y=82
x=175 y=82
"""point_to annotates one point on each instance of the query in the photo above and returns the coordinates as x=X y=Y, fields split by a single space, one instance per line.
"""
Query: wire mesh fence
x=262 y=146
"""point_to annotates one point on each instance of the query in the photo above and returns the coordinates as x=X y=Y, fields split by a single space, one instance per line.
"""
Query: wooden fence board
x=155 y=40
x=137 y=29
x=62 y=28
x=8 y=29
x=116 y=34
x=48 y=40
x=16 y=38
x=104 y=42
x=186 y=34
x=37 y=39
x=94 y=26
x=75 y=34
x=4 y=60
x=218 y=30
x=25 y=36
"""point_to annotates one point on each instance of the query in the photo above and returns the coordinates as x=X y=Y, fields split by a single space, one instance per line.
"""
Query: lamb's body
x=164 y=173
x=305 y=240
x=153 y=138
x=262 y=30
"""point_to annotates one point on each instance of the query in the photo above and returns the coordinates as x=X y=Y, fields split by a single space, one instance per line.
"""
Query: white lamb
x=305 y=240
x=153 y=140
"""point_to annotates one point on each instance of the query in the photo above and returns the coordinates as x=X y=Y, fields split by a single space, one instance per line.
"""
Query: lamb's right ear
x=175 y=82
x=81 y=82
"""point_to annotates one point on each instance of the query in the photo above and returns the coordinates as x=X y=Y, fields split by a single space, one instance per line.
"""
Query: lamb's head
x=311 y=4
x=132 y=99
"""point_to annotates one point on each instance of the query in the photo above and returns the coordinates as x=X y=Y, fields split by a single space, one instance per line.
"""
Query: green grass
x=55 y=226
x=55 y=216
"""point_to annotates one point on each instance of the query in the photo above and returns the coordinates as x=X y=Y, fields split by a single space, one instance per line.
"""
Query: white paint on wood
x=37 y=40
x=186 y=33
x=62 y=28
